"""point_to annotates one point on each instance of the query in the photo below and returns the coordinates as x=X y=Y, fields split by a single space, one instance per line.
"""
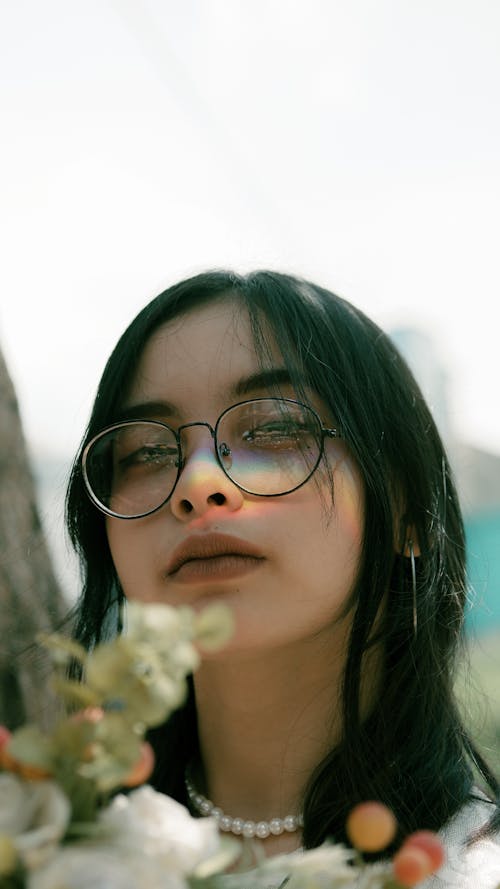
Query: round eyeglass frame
x=326 y=432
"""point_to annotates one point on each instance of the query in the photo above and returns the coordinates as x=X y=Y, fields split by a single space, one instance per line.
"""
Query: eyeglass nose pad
x=225 y=453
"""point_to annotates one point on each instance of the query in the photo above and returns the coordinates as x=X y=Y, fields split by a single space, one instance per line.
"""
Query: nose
x=202 y=484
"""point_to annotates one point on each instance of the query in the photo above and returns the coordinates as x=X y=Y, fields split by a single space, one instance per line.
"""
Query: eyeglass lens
x=265 y=446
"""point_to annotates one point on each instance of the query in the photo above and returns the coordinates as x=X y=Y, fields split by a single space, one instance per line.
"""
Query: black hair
x=412 y=751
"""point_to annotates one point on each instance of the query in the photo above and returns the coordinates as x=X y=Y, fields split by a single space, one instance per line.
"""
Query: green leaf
x=74 y=692
x=62 y=650
x=30 y=746
x=82 y=794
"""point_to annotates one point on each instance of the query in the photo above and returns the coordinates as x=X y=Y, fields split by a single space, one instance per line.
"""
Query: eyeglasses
x=265 y=446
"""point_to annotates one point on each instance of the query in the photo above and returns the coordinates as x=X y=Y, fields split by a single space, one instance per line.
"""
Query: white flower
x=157 y=625
x=156 y=825
x=214 y=626
x=167 y=628
x=34 y=814
x=145 y=839
x=326 y=867
x=100 y=866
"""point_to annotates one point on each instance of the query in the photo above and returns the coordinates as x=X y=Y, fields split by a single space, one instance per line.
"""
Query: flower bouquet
x=70 y=820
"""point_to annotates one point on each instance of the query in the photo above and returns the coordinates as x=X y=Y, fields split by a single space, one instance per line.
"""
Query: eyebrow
x=268 y=378
x=148 y=409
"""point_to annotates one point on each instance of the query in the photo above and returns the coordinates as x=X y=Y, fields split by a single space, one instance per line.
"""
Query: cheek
x=338 y=551
x=130 y=556
x=349 y=501
x=324 y=541
x=346 y=512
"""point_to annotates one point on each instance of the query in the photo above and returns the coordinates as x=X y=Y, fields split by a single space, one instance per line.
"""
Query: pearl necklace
x=240 y=826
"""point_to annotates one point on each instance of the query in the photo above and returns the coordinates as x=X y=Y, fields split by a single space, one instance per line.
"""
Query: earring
x=413 y=584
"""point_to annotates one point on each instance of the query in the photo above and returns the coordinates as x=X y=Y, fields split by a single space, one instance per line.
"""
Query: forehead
x=209 y=351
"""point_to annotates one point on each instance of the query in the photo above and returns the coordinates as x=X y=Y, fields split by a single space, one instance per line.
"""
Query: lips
x=205 y=547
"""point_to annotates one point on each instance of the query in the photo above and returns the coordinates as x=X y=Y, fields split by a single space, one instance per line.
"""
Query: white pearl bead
x=238 y=826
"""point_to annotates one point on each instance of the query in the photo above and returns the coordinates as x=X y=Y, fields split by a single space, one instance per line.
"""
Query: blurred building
x=477 y=474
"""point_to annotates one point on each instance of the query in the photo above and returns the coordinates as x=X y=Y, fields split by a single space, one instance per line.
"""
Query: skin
x=265 y=701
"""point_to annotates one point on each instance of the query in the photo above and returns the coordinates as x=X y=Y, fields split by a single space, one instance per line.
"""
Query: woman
x=282 y=459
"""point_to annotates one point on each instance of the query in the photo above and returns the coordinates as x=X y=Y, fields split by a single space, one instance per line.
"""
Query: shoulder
x=475 y=866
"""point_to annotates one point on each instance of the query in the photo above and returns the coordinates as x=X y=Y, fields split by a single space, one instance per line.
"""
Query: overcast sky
x=356 y=143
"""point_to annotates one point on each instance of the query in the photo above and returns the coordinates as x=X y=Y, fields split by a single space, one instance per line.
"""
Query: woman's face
x=288 y=563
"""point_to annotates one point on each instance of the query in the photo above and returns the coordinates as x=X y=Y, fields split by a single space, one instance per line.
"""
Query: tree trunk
x=30 y=597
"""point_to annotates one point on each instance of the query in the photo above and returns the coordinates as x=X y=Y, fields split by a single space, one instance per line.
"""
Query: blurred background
x=355 y=143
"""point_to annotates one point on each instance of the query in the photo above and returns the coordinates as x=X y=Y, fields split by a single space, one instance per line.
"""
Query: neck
x=264 y=725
